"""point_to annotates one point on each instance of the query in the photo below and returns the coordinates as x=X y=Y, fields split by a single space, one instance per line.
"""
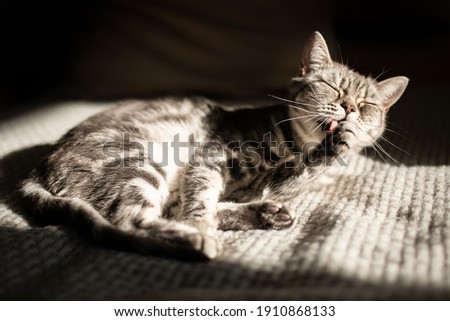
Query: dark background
x=112 y=49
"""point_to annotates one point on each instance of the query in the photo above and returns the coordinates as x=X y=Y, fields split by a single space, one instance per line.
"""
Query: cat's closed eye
x=338 y=92
x=366 y=106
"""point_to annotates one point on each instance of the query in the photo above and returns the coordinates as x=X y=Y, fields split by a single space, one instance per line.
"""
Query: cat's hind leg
x=117 y=229
x=138 y=210
x=139 y=202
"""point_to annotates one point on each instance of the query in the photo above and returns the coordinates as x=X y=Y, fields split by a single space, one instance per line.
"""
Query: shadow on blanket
x=65 y=267
x=14 y=168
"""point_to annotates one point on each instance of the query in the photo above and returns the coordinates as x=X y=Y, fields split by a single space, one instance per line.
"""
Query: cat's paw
x=273 y=215
x=343 y=140
x=207 y=247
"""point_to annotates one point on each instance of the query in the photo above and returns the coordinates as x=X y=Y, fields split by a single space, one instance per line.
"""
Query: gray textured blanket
x=371 y=230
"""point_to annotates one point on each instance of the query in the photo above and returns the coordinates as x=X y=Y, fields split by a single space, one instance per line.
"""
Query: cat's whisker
x=307 y=117
x=397 y=125
x=294 y=118
x=312 y=122
x=393 y=145
x=394 y=132
x=283 y=99
x=298 y=103
x=302 y=109
x=316 y=102
x=320 y=125
x=317 y=99
x=316 y=105
x=387 y=154
x=340 y=54
x=380 y=151
x=386 y=129
x=382 y=73
x=375 y=145
x=389 y=142
x=378 y=148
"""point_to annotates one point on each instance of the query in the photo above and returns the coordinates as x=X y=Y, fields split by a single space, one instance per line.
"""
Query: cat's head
x=328 y=93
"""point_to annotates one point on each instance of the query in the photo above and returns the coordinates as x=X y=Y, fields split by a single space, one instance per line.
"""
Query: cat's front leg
x=338 y=145
x=200 y=189
x=289 y=179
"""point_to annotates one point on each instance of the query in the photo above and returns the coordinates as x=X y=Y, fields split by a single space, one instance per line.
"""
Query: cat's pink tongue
x=331 y=126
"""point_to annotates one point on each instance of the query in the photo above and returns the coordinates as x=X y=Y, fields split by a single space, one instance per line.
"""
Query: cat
x=163 y=176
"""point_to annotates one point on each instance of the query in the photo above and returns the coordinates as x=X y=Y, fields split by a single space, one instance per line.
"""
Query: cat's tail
x=169 y=239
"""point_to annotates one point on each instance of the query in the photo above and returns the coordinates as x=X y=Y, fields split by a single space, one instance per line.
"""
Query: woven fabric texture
x=370 y=230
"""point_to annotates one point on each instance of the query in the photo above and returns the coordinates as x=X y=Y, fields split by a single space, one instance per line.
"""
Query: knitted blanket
x=371 y=230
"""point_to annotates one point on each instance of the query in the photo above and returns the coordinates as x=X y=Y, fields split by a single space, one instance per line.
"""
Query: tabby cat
x=162 y=176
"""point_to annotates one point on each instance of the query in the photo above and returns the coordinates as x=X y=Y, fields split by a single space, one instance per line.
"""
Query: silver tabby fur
x=107 y=177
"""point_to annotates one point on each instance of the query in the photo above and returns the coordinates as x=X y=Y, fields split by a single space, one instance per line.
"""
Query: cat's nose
x=349 y=108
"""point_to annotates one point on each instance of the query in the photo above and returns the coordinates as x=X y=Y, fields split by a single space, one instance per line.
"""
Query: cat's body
x=159 y=176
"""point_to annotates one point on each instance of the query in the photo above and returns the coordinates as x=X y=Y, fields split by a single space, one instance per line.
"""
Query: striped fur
x=163 y=176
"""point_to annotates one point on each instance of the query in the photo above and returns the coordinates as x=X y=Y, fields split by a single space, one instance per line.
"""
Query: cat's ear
x=315 y=54
x=391 y=90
